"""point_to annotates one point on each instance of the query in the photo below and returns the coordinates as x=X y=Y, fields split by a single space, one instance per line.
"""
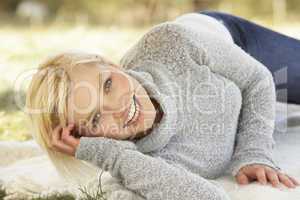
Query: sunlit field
x=21 y=49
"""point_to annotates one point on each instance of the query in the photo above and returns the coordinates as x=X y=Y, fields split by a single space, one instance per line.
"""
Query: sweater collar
x=157 y=85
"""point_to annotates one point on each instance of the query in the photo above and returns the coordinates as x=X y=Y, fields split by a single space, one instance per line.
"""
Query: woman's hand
x=262 y=174
x=63 y=141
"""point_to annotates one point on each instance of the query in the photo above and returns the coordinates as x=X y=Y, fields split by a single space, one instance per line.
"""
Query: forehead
x=84 y=90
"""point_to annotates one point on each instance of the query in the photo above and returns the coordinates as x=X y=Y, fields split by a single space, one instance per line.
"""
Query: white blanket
x=26 y=172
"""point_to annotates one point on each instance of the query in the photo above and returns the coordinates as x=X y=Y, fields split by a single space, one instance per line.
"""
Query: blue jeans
x=279 y=53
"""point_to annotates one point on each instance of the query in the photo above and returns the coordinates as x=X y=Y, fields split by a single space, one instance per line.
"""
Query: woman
x=186 y=105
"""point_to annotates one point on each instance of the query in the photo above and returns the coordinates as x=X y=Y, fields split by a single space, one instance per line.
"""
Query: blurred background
x=31 y=30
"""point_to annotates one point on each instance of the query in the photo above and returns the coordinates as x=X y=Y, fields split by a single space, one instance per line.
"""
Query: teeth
x=131 y=113
x=132 y=116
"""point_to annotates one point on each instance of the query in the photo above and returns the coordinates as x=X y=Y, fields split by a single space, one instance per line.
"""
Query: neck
x=158 y=110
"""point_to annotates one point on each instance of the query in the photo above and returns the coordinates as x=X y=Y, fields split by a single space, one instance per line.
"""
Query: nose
x=117 y=108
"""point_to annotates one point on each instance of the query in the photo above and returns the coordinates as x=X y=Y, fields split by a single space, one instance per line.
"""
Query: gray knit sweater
x=219 y=110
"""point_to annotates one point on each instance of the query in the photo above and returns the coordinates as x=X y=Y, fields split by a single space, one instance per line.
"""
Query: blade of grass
x=100 y=194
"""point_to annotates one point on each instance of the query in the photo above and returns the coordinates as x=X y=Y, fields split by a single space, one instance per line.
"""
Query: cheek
x=123 y=89
x=107 y=125
x=122 y=82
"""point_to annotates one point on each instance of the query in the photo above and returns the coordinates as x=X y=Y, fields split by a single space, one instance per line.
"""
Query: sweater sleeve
x=254 y=140
x=150 y=177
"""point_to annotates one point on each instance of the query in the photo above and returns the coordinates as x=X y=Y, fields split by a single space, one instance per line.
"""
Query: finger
x=250 y=172
x=296 y=182
x=285 y=180
x=273 y=177
x=261 y=176
x=84 y=130
x=56 y=134
x=57 y=144
x=63 y=148
x=68 y=138
x=241 y=178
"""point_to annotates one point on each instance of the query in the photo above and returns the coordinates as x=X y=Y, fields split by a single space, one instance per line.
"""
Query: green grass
x=2 y=193
x=14 y=126
x=99 y=195
x=56 y=197
x=13 y=122
x=50 y=197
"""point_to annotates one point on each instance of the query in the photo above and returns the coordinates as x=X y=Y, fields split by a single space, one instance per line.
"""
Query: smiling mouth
x=133 y=113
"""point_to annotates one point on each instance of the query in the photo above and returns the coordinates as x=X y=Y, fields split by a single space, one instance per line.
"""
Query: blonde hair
x=46 y=105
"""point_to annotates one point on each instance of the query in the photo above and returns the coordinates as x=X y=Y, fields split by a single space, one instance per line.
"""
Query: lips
x=132 y=112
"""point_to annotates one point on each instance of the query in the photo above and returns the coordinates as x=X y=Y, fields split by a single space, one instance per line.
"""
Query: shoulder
x=168 y=26
x=165 y=32
x=159 y=42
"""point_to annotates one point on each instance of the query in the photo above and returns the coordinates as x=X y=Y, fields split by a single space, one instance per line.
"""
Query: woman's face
x=105 y=101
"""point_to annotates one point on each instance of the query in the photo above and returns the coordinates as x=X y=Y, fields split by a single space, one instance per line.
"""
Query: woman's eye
x=107 y=84
x=95 y=120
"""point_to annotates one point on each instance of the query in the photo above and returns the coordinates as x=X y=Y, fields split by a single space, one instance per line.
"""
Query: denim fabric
x=278 y=52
